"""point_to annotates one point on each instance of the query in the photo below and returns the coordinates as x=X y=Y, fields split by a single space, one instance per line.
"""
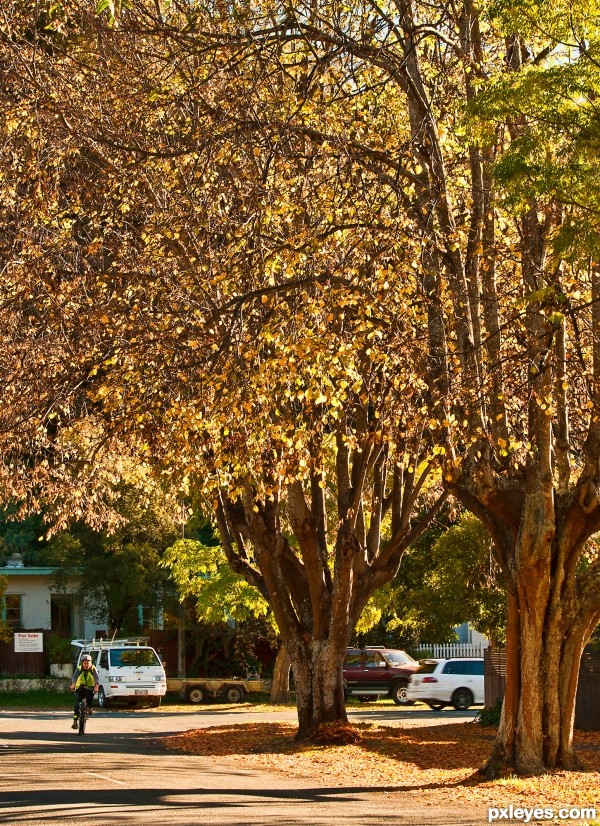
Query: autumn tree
x=229 y=305
x=303 y=274
x=509 y=285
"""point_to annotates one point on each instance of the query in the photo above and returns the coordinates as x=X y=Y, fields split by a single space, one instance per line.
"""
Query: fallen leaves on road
x=439 y=760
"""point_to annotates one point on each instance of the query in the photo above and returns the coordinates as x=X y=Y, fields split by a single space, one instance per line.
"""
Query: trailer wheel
x=233 y=694
x=195 y=694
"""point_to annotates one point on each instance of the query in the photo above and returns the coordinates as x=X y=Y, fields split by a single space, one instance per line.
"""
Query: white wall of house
x=35 y=596
x=478 y=638
x=35 y=599
x=34 y=587
x=467 y=634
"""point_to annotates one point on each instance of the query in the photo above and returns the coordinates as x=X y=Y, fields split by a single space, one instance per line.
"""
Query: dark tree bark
x=316 y=595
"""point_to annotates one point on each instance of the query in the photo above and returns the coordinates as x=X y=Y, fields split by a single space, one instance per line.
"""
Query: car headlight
x=159 y=679
x=117 y=679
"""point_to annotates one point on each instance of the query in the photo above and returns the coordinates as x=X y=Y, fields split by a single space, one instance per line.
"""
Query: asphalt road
x=119 y=773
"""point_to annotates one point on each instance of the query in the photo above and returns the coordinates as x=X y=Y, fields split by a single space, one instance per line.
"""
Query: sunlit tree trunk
x=280 y=687
x=552 y=611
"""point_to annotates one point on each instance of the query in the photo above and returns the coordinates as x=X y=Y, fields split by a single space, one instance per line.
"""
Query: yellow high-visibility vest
x=86 y=678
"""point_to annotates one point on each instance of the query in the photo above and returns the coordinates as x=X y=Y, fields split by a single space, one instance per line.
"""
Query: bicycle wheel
x=82 y=716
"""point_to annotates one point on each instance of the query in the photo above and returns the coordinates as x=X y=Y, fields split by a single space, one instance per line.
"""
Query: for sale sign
x=26 y=642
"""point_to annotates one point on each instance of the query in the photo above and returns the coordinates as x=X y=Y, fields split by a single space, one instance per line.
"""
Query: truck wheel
x=103 y=702
x=195 y=694
x=233 y=694
x=155 y=702
x=399 y=695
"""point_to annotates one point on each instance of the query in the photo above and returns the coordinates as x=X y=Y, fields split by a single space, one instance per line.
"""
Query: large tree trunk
x=549 y=623
x=280 y=687
x=536 y=727
x=319 y=688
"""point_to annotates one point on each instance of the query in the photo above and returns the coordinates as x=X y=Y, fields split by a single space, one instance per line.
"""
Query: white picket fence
x=454 y=649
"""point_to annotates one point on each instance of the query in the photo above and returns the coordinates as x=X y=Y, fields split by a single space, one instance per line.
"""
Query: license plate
x=141 y=691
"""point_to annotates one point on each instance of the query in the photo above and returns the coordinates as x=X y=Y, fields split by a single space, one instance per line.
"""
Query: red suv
x=373 y=672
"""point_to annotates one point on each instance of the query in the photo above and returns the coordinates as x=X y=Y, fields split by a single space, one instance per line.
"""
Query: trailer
x=198 y=689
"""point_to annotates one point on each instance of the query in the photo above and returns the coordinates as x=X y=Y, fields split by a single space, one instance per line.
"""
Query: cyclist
x=85 y=684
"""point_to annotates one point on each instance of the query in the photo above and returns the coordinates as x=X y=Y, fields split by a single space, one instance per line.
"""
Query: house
x=468 y=635
x=33 y=602
x=470 y=643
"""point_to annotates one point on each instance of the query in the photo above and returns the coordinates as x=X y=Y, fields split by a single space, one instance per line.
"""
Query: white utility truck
x=129 y=670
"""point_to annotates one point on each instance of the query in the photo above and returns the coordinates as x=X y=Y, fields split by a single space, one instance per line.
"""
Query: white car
x=457 y=682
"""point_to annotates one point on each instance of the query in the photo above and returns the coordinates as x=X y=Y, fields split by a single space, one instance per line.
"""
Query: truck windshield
x=399 y=658
x=133 y=656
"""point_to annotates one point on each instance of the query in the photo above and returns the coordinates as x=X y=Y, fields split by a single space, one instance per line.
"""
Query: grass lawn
x=40 y=699
x=44 y=699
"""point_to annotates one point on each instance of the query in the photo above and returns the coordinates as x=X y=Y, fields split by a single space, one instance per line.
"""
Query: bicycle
x=83 y=713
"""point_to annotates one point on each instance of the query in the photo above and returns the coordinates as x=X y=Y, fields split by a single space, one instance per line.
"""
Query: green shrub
x=58 y=650
x=490 y=716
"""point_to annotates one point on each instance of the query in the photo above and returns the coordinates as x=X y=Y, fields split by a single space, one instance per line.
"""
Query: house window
x=61 y=613
x=11 y=610
x=149 y=618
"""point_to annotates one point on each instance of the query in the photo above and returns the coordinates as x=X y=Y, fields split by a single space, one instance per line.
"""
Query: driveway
x=119 y=773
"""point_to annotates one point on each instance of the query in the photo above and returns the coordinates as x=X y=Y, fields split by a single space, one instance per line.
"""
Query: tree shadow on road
x=258 y=805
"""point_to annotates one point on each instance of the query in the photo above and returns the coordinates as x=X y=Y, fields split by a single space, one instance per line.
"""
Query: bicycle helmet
x=86 y=658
